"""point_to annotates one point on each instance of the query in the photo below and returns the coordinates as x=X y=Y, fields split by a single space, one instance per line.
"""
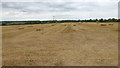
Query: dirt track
x=60 y=45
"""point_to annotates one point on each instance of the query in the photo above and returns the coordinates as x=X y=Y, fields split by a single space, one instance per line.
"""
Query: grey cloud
x=41 y=8
x=45 y=6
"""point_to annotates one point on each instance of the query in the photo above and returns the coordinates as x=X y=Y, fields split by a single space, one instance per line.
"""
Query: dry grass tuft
x=20 y=28
x=74 y=25
x=38 y=29
x=52 y=25
x=111 y=24
x=103 y=24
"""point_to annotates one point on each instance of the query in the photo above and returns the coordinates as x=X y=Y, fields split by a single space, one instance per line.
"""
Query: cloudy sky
x=61 y=9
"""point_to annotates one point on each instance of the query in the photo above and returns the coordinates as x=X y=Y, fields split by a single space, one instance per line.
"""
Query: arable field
x=60 y=44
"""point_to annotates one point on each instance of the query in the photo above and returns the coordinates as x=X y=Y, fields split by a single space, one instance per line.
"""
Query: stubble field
x=60 y=44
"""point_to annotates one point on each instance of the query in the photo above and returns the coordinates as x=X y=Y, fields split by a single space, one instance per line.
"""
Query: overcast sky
x=61 y=9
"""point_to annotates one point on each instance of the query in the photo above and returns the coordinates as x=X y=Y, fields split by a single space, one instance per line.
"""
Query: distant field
x=65 y=44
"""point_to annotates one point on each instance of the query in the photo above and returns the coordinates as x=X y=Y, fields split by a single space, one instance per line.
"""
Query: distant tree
x=101 y=20
x=3 y=24
x=96 y=20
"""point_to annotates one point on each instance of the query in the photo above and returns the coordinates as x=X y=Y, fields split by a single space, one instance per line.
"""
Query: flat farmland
x=60 y=44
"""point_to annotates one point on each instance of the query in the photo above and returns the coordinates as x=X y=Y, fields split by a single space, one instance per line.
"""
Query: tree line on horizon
x=4 y=23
